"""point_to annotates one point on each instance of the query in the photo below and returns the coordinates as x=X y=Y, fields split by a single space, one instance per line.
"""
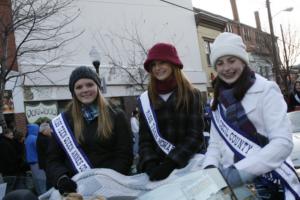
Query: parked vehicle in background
x=295 y=121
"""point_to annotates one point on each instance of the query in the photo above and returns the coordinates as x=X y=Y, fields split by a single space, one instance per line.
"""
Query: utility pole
x=257 y=20
x=287 y=75
x=274 y=49
x=236 y=17
x=284 y=48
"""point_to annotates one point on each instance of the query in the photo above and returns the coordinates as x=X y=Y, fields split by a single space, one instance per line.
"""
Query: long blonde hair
x=185 y=89
x=104 y=120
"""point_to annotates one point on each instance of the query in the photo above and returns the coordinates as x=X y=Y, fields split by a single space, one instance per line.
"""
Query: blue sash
x=149 y=115
x=67 y=141
x=242 y=147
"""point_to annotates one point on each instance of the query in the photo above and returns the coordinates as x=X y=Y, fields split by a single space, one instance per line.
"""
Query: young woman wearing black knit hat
x=90 y=134
x=171 y=122
x=250 y=136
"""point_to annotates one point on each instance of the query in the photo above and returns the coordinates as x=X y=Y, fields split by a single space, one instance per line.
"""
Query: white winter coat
x=267 y=110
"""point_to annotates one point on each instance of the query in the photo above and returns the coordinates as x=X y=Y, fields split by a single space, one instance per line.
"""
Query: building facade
x=13 y=108
x=121 y=33
x=209 y=26
x=258 y=43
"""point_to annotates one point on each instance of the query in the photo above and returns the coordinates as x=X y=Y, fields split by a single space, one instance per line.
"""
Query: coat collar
x=172 y=100
x=249 y=102
x=258 y=85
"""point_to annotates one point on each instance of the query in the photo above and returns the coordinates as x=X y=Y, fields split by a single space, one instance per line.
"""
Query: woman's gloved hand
x=150 y=165
x=232 y=176
x=66 y=185
x=163 y=170
x=235 y=177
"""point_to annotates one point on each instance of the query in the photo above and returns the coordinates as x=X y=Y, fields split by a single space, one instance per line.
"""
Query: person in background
x=19 y=138
x=134 y=122
x=38 y=175
x=207 y=122
x=11 y=165
x=26 y=177
x=171 y=119
x=294 y=97
x=207 y=118
x=89 y=134
x=20 y=194
x=42 y=144
x=250 y=136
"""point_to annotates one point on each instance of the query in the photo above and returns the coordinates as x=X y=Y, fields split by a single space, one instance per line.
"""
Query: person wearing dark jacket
x=171 y=123
x=294 y=97
x=42 y=144
x=11 y=164
x=90 y=134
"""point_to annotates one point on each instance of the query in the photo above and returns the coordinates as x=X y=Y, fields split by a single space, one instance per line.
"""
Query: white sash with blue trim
x=163 y=144
x=69 y=144
x=244 y=147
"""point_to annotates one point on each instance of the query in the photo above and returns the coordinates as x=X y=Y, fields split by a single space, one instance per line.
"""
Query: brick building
x=12 y=103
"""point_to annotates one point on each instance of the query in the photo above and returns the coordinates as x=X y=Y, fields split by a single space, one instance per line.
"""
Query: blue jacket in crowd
x=30 y=143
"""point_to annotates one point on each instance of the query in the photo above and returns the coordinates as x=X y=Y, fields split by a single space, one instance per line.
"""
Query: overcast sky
x=246 y=10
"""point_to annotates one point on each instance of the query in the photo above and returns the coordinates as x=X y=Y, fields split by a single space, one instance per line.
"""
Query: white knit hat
x=228 y=44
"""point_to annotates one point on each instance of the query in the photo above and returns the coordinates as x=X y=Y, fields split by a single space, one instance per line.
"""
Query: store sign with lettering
x=34 y=112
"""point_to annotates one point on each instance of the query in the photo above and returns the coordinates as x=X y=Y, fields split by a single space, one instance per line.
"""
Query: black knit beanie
x=83 y=72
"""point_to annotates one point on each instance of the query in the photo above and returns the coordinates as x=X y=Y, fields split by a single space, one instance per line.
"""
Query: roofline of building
x=209 y=18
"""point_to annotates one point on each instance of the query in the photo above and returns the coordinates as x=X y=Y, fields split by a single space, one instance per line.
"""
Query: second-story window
x=228 y=28
x=247 y=34
x=207 y=46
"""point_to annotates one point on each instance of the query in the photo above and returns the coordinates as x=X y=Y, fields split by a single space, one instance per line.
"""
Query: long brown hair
x=185 y=89
x=104 y=120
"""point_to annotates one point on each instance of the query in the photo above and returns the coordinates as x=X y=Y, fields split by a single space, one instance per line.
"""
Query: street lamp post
x=287 y=74
x=273 y=41
x=289 y=9
x=284 y=50
x=95 y=56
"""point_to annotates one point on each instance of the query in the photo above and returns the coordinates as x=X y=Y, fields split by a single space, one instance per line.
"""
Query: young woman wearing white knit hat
x=250 y=137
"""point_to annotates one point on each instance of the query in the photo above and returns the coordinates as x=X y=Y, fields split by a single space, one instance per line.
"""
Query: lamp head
x=96 y=63
x=289 y=9
x=94 y=54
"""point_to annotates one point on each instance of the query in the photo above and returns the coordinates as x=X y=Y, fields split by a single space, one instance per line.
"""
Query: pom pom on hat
x=83 y=72
x=163 y=52
x=227 y=44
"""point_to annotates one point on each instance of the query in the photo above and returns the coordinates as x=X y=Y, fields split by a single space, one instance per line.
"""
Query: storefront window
x=207 y=46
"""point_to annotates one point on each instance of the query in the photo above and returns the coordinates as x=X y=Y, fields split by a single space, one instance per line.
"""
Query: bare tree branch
x=290 y=50
x=126 y=52
x=35 y=27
